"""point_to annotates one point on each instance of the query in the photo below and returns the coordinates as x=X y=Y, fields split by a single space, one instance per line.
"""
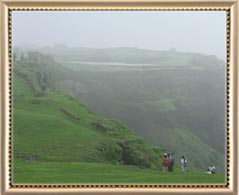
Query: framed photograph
x=119 y=97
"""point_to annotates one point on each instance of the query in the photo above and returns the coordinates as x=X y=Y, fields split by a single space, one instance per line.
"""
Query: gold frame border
x=229 y=6
x=120 y=185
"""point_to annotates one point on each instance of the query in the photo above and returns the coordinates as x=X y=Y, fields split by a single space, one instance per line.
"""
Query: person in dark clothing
x=171 y=162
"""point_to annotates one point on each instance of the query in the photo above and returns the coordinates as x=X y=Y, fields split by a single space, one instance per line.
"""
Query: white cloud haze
x=190 y=31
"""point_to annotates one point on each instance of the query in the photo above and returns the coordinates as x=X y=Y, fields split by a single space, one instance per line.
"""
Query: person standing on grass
x=171 y=162
x=165 y=162
x=183 y=164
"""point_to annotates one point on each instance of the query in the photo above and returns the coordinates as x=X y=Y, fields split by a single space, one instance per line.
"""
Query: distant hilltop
x=126 y=56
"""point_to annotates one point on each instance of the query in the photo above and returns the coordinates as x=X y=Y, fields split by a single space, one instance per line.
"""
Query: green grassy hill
x=57 y=139
x=180 y=109
x=51 y=127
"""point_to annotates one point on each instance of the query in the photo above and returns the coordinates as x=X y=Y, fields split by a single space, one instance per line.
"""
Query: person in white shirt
x=211 y=169
x=183 y=164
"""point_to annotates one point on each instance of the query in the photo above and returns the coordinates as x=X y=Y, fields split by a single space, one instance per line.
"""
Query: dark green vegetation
x=176 y=108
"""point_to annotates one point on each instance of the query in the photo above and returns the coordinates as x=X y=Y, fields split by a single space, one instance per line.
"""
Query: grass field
x=81 y=172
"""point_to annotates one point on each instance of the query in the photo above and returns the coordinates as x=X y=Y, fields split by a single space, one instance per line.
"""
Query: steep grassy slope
x=56 y=139
x=168 y=105
x=51 y=127
x=156 y=102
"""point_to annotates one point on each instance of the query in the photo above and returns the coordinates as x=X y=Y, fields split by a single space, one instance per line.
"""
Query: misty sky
x=190 y=31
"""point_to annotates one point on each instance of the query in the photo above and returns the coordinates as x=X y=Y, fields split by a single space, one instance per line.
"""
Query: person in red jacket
x=165 y=162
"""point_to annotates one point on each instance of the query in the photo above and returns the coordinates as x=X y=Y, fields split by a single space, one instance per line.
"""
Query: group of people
x=168 y=162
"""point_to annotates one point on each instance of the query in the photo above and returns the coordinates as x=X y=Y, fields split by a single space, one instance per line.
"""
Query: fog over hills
x=125 y=56
x=196 y=31
x=172 y=99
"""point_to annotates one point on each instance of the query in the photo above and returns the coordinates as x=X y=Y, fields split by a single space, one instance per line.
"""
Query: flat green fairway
x=80 y=172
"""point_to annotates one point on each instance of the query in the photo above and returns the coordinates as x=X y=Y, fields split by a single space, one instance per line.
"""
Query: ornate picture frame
x=230 y=6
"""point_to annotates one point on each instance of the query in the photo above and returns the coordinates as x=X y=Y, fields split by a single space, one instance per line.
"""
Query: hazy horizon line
x=62 y=45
